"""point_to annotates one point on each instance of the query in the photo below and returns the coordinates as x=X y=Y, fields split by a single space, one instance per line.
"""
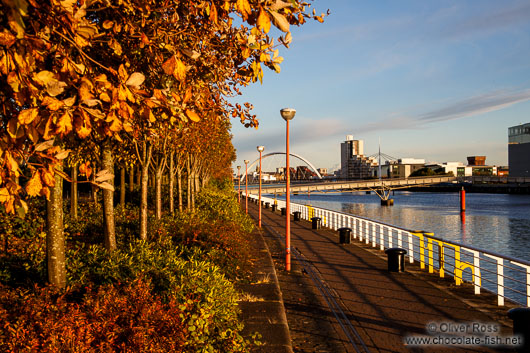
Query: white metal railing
x=507 y=277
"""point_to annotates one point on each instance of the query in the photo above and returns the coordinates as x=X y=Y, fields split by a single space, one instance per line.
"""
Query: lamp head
x=288 y=113
x=238 y=167
x=246 y=161
x=261 y=148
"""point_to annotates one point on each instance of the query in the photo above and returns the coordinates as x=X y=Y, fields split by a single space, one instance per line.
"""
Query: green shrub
x=222 y=205
x=22 y=250
x=208 y=300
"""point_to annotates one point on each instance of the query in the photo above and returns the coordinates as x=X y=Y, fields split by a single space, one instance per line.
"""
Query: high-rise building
x=353 y=163
x=519 y=150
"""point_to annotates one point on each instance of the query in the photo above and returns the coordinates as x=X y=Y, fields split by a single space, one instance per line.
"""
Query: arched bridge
x=280 y=153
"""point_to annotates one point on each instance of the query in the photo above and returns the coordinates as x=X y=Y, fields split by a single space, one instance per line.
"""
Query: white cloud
x=468 y=107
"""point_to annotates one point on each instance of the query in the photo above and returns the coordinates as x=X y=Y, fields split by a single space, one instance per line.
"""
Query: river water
x=494 y=222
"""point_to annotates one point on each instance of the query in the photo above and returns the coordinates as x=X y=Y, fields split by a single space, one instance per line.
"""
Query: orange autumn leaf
x=28 y=115
x=48 y=178
x=264 y=21
x=187 y=96
x=180 y=70
x=34 y=185
x=169 y=65
x=11 y=163
x=64 y=124
x=52 y=104
x=213 y=14
x=192 y=115
x=243 y=7
x=85 y=169
x=82 y=124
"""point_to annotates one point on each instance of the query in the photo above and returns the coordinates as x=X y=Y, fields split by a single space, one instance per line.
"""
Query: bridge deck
x=384 y=307
x=356 y=185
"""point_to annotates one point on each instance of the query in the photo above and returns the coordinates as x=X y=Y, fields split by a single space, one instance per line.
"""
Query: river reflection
x=495 y=222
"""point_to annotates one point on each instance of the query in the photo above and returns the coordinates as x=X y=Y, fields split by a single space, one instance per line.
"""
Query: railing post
x=373 y=235
x=527 y=280
x=411 y=248
x=478 y=279
x=390 y=236
x=430 y=255
x=381 y=237
x=420 y=236
x=366 y=233
x=500 y=279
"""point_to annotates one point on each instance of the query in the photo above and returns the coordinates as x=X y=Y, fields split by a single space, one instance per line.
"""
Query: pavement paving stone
x=384 y=307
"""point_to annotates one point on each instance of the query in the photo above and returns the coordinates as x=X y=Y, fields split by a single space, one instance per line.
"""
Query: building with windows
x=323 y=171
x=401 y=168
x=519 y=150
x=476 y=160
x=353 y=163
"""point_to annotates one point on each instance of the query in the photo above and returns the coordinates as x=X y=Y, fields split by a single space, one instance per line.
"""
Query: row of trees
x=145 y=83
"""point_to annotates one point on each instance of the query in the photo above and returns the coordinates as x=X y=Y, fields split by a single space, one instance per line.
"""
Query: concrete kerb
x=262 y=307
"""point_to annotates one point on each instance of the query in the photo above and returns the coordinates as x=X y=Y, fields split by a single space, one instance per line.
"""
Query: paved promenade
x=384 y=308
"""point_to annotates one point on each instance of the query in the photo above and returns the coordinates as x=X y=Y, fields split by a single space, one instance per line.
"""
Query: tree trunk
x=94 y=195
x=188 y=193
x=108 y=200
x=131 y=180
x=55 y=234
x=158 y=193
x=147 y=150
x=197 y=184
x=94 y=191
x=73 y=192
x=179 y=187
x=139 y=176
x=171 y=183
x=122 y=187
x=192 y=190
x=143 y=202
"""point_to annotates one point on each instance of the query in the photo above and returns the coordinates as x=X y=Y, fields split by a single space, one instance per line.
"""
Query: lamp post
x=246 y=185
x=239 y=184
x=260 y=150
x=287 y=115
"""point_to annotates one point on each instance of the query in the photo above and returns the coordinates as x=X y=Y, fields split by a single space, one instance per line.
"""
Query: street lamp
x=260 y=150
x=287 y=115
x=239 y=184
x=246 y=185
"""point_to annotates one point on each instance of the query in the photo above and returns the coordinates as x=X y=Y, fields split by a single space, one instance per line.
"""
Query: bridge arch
x=277 y=153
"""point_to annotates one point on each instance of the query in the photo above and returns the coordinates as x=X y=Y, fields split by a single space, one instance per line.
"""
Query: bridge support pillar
x=388 y=202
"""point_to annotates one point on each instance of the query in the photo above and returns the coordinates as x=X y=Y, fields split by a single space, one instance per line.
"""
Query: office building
x=353 y=163
x=519 y=150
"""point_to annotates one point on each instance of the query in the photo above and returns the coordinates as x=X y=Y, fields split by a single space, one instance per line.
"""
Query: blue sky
x=438 y=80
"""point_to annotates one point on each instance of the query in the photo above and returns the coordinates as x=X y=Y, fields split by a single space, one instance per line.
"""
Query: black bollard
x=521 y=326
x=316 y=222
x=396 y=259
x=267 y=204
x=284 y=211
x=273 y=207
x=345 y=235
x=297 y=215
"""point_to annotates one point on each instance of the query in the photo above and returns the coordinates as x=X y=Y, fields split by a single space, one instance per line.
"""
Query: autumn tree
x=110 y=71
